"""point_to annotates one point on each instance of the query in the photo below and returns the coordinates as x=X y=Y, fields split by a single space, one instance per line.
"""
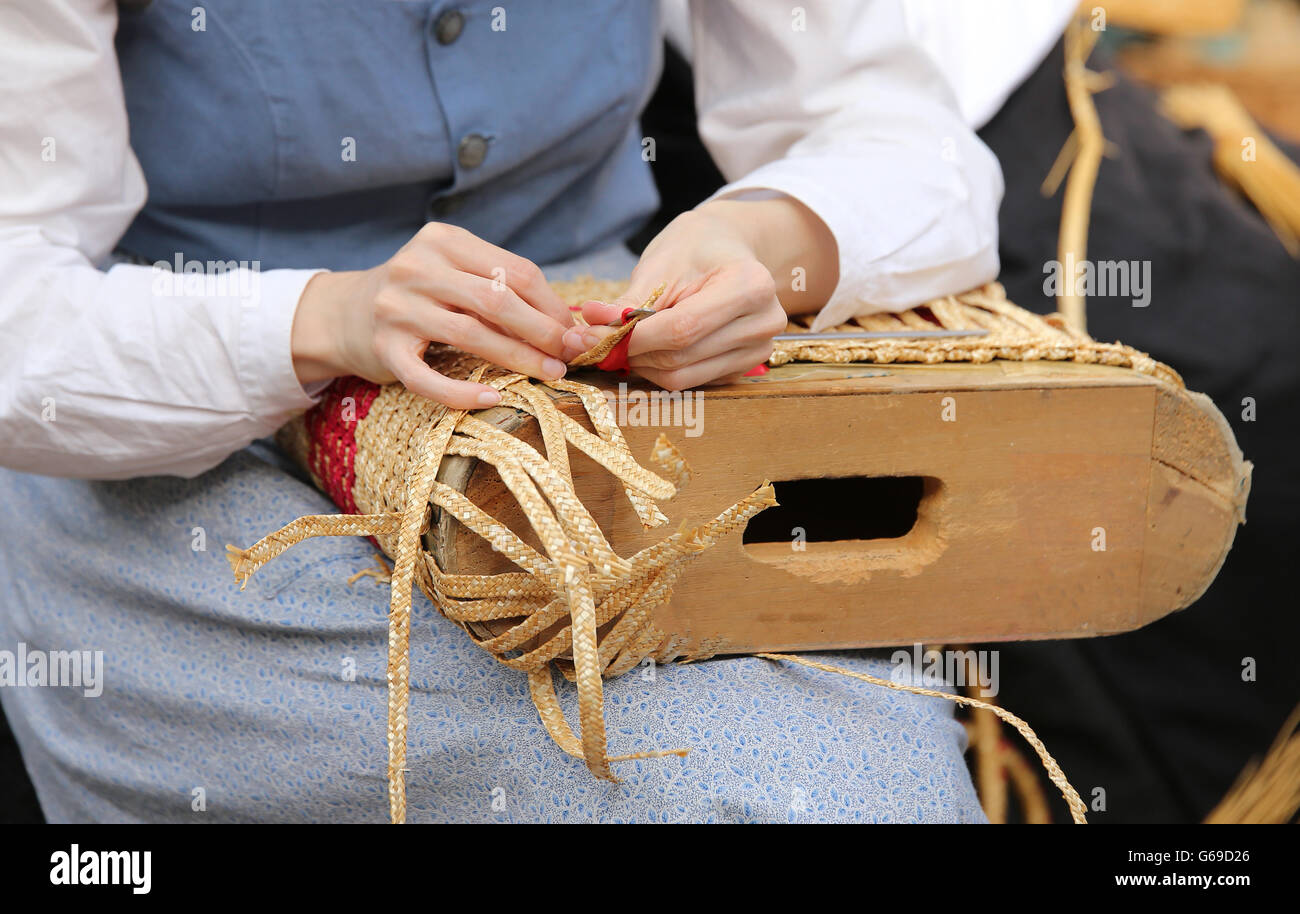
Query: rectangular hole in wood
x=836 y=510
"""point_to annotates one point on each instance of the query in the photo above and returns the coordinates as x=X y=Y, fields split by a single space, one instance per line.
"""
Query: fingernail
x=572 y=342
x=553 y=368
x=489 y=398
x=591 y=338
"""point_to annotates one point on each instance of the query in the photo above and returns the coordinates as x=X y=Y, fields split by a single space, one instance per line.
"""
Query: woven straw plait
x=1014 y=334
x=567 y=600
x=377 y=451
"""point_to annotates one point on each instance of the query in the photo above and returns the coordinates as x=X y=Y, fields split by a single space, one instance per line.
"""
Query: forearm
x=854 y=121
x=791 y=241
x=318 y=337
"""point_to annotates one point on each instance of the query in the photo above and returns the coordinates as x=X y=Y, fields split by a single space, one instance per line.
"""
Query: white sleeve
x=987 y=49
x=833 y=103
x=130 y=371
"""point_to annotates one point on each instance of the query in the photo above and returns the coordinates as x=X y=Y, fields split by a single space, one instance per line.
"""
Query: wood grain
x=1039 y=457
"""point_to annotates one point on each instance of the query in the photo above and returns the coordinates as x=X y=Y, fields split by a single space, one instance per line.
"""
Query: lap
x=270 y=704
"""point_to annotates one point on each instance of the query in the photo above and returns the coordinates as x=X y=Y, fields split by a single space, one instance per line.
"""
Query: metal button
x=442 y=207
x=448 y=26
x=472 y=150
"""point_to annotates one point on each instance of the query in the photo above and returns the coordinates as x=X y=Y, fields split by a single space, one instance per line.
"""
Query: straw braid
x=580 y=575
x=246 y=561
x=414 y=522
x=1014 y=334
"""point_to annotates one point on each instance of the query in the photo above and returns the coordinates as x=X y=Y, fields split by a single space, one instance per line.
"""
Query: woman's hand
x=721 y=307
x=445 y=286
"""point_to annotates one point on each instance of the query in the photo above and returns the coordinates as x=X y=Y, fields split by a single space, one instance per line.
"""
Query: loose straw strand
x=1078 y=812
x=1088 y=144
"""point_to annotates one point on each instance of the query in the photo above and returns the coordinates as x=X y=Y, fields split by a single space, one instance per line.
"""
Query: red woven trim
x=332 y=437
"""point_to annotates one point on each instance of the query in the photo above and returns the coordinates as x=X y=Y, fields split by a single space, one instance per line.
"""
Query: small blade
x=629 y=314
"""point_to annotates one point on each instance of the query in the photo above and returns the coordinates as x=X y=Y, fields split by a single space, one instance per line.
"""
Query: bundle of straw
x=1243 y=155
x=1170 y=17
x=1267 y=792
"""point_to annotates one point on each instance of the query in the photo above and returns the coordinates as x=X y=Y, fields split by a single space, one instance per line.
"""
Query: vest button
x=442 y=207
x=472 y=150
x=448 y=26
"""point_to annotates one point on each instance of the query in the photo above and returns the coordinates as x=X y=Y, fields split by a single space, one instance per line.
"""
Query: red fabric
x=332 y=437
x=617 y=358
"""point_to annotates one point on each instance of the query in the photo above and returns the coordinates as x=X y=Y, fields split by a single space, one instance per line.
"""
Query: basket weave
x=576 y=605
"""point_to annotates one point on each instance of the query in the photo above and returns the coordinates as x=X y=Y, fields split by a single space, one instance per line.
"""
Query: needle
x=629 y=314
x=878 y=335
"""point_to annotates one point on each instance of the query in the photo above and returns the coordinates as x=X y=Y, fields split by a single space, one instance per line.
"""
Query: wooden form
x=1027 y=471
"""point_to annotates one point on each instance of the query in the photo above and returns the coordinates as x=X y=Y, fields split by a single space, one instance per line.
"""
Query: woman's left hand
x=718 y=312
x=721 y=306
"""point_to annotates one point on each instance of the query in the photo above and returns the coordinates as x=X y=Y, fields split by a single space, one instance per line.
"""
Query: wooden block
x=1018 y=474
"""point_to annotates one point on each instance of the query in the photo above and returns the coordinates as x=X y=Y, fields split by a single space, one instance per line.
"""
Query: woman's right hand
x=446 y=286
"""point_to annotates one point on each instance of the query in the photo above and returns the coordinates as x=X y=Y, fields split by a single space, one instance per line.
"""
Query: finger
x=688 y=322
x=735 y=362
x=730 y=293
x=599 y=312
x=472 y=254
x=578 y=339
x=419 y=378
x=499 y=306
x=467 y=333
x=749 y=330
x=602 y=315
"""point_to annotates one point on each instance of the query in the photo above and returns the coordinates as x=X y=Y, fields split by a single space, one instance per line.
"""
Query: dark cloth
x=18 y=804
x=683 y=170
x=1161 y=719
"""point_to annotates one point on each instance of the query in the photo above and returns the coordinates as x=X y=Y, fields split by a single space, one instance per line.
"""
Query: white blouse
x=833 y=102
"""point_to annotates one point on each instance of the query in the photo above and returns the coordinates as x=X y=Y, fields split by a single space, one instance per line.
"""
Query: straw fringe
x=1266 y=792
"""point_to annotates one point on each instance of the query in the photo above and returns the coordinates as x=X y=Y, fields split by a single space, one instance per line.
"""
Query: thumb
x=636 y=296
x=604 y=318
x=598 y=312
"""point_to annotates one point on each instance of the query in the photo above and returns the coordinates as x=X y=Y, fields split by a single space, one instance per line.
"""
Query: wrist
x=314 y=338
x=790 y=240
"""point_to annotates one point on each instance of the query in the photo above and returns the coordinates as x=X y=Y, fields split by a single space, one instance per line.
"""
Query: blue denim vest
x=324 y=133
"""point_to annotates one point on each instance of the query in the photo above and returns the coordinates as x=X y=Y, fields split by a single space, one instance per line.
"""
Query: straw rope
x=997 y=762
